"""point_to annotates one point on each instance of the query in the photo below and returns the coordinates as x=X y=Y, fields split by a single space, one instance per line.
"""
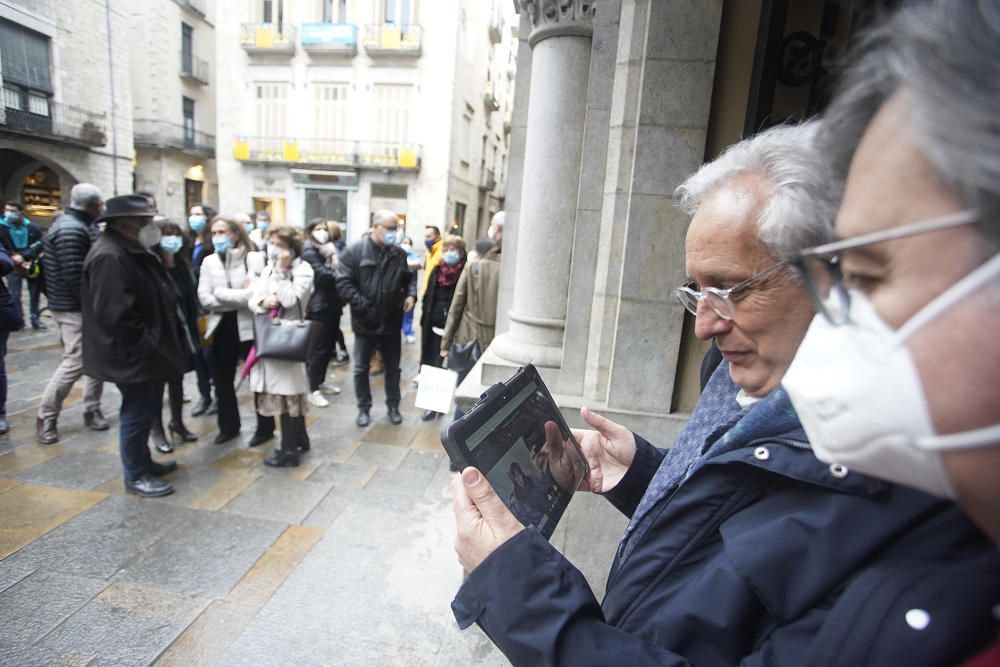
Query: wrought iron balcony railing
x=393 y=39
x=26 y=113
x=267 y=38
x=150 y=133
x=327 y=152
x=194 y=68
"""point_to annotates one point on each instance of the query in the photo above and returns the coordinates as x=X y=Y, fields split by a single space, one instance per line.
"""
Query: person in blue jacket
x=740 y=540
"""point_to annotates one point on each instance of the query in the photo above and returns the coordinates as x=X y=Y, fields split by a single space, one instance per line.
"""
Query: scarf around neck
x=448 y=275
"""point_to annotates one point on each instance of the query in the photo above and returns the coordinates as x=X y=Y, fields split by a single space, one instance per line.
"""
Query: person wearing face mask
x=373 y=278
x=433 y=243
x=199 y=219
x=132 y=334
x=905 y=336
x=22 y=239
x=436 y=304
x=224 y=290
x=325 y=306
x=257 y=226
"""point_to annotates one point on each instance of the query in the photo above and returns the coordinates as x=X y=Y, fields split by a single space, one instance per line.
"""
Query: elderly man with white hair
x=740 y=539
x=372 y=276
x=66 y=246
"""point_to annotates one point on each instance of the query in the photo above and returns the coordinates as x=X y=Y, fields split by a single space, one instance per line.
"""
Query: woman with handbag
x=325 y=306
x=472 y=318
x=441 y=285
x=172 y=252
x=224 y=290
x=280 y=385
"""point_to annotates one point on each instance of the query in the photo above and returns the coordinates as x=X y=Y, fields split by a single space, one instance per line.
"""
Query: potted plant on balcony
x=91 y=132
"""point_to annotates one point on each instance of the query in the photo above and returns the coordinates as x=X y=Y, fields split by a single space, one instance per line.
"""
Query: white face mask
x=859 y=397
x=321 y=235
x=149 y=236
x=272 y=252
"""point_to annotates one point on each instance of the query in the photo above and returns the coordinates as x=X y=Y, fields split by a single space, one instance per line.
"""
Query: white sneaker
x=329 y=389
x=411 y=340
x=316 y=398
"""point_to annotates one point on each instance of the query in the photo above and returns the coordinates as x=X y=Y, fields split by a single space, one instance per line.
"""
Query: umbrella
x=251 y=359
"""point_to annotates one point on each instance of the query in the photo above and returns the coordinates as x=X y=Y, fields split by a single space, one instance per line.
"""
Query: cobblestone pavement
x=346 y=560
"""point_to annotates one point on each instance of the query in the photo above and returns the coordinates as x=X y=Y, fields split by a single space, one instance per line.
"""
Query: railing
x=496 y=25
x=358 y=154
x=333 y=38
x=490 y=100
x=194 y=68
x=393 y=39
x=487 y=180
x=149 y=133
x=34 y=114
x=196 y=6
x=267 y=38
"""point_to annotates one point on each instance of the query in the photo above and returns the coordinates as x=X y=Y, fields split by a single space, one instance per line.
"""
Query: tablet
x=516 y=436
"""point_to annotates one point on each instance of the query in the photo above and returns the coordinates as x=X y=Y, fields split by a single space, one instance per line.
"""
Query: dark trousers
x=226 y=354
x=430 y=349
x=319 y=361
x=389 y=347
x=338 y=335
x=3 y=372
x=14 y=284
x=203 y=368
x=141 y=402
x=175 y=394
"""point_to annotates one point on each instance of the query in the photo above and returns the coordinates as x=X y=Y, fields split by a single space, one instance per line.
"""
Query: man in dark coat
x=66 y=246
x=373 y=278
x=131 y=332
x=22 y=239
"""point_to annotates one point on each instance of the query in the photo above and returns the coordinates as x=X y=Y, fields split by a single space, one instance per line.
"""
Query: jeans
x=203 y=368
x=3 y=373
x=408 y=323
x=364 y=346
x=69 y=370
x=141 y=402
x=14 y=285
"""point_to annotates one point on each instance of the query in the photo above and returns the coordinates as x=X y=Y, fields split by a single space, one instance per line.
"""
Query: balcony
x=267 y=39
x=393 y=39
x=196 y=6
x=487 y=180
x=330 y=39
x=150 y=133
x=327 y=153
x=496 y=25
x=490 y=101
x=193 y=68
x=37 y=116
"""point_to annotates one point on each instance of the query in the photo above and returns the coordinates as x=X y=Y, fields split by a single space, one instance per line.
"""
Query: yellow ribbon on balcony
x=408 y=157
x=241 y=149
x=290 y=151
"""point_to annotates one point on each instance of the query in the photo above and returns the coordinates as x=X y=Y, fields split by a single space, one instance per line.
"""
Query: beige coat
x=274 y=376
x=221 y=288
x=473 y=312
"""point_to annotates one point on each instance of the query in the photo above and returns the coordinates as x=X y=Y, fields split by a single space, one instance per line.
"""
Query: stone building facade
x=60 y=123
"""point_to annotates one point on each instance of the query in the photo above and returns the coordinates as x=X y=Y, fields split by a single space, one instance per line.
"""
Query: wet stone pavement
x=345 y=560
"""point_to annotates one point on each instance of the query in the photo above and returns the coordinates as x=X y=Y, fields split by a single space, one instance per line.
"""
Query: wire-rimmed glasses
x=720 y=300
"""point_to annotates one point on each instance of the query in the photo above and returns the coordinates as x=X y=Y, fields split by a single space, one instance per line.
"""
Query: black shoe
x=363 y=419
x=37 y=325
x=157 y=469
x=282 y=459
x=213 y=407
x=165 y=447
x=201 y=406
x=4 y=426
x=95 y=421
x=260 y=439
x=148 y=487
x=429 y=415
x=342 y=359
x=225 y=437
x=181 y=432
x=395 y=417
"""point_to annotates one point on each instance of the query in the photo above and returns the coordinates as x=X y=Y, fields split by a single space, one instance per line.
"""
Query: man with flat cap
x=132 y=335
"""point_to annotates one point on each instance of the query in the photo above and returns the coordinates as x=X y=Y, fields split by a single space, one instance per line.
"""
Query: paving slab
x=387 y=457
x=37 y=603
x=75 y=470
x=279 y=498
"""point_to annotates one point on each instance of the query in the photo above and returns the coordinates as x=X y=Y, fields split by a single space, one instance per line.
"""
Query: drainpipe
x=114 y=119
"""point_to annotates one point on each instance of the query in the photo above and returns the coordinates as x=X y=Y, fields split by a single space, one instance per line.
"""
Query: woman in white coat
x=224 y=290
x=281 y=387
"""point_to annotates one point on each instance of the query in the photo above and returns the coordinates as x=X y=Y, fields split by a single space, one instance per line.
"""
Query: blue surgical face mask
x=451 y=257
x=221 y=244
x=196 y=223
x=171 y=244
x=429 y=244
x=262 y=226
x=249 y=227
x=391 y=237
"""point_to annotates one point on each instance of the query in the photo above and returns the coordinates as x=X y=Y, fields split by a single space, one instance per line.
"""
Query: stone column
x=560 y=41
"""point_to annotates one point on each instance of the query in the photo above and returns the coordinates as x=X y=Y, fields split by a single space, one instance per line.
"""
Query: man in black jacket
x=373 y=278
x=131 y=332
x=22 y=239
x=66 y=246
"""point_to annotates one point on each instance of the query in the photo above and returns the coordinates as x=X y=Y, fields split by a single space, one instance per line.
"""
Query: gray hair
x=942 y=55
x=84 y=196
x=802 y=204
x=380 y=216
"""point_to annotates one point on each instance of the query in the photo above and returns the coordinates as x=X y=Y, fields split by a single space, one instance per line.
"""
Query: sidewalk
x=345 y=560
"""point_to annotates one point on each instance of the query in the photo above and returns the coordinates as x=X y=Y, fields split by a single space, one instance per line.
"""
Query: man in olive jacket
x=132 y=334
x=373 y=278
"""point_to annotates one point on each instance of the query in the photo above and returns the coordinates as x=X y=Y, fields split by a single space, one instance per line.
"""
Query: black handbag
x=463 y=356
x=287 y=340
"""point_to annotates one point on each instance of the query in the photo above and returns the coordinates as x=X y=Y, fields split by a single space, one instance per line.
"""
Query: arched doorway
x=43 y=187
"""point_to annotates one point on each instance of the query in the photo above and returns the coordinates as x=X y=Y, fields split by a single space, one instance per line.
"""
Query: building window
x=458 y=223
x=272 y=12
x=392 y=113
x=271 y=105
x=330 y=110
x=187 y=48
x=334 y=11
x=396 y=11
x=26 y=74
x=188 y=110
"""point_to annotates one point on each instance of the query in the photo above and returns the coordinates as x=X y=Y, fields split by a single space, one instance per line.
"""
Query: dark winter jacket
x=11 y=314
x=375 y=282
x=325 y=302
x=763 y=556
x=434 y=313
x=131 y=331
x=66 y=246
x=31 y=251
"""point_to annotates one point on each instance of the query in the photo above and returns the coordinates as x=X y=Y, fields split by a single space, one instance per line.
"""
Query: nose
x=708 y=324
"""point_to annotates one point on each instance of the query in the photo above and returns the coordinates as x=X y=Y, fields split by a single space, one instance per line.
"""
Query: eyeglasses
x=720 y=300
x=820 y=266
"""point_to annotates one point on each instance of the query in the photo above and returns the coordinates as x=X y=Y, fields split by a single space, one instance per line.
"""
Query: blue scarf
x=19 y=235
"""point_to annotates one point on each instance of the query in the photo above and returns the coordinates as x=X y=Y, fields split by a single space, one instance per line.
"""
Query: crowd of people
x=141 y=300
x=835 y=497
